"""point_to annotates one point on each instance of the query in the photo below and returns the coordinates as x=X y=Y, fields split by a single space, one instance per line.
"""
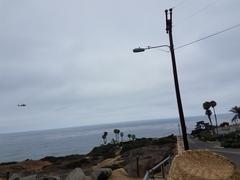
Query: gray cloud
x=71 y=61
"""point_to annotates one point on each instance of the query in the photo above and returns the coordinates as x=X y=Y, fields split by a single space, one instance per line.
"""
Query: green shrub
x=106 y=151
x=76 y=163
x=127 y=146
x=231 y=140
x=206 y=136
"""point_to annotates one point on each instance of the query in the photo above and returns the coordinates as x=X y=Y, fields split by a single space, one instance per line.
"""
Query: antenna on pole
x=167 y=26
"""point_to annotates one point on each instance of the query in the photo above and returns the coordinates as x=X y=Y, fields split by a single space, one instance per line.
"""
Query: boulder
x=76 y=174
x=101 y=174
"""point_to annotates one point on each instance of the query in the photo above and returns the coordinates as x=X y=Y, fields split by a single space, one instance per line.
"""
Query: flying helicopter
x=21 y=105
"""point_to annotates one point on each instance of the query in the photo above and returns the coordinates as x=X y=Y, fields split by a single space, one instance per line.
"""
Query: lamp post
x=174 y=66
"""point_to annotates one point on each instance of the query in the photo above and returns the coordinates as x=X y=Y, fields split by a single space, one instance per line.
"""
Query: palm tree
x=236 y=111
x=213 y=104
x=129 y=137
x=104 y=137
x=206 y=106
x=116 y=132
x=121 y=134
x=133 y=137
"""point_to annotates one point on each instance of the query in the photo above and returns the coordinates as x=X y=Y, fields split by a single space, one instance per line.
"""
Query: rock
x=15 y=177
x=101 y=174
x=76 y=174
x=31 y=177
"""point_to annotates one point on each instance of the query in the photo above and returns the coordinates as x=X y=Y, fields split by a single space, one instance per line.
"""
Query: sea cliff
x=129 y=159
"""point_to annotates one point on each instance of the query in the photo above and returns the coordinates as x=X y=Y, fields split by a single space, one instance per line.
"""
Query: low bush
x=106 y=151
x=75 y=163
x=206 y=136
x=126 y=146
x=231 y=140
x=60 y=159
x=8 y=163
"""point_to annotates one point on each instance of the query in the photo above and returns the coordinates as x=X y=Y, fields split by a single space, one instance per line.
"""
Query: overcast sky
x=71 y=61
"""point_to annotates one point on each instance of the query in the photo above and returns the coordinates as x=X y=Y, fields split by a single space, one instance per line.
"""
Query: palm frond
x=234 y=109
x=235 y=117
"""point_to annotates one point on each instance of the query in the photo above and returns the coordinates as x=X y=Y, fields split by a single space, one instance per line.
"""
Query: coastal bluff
x=122 y=160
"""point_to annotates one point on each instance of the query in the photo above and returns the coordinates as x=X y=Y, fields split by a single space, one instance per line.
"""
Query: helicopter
x=21 y=105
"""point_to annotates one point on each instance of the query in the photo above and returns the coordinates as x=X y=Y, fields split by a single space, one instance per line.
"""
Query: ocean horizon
x=34 y=145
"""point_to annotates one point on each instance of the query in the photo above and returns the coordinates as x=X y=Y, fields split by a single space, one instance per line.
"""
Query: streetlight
x=174 y=66
x=139 y=49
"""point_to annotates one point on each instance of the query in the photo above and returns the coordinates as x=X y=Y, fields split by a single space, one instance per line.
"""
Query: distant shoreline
x=187 y=118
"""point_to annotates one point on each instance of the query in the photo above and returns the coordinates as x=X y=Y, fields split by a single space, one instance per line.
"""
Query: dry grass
x=23 y=166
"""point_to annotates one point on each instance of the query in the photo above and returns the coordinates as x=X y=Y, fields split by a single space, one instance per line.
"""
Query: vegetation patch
x=53 y=159
x=106 y=151
x=8 y=163
x=127 y=146
x=76 y=163
x=231 y=140
x=205 y=136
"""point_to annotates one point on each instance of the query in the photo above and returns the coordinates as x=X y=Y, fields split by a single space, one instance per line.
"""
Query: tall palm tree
x=133 y=137
x=206 y=106
x=213 y=104
x=236 y=111
x=121 y=134
x=104 y=136
x=116 y=132
x=129 y=137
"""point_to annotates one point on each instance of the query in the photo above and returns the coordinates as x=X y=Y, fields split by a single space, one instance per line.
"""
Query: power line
x=204 y=8
x=179 y=4
x=201 y=10
x=206 y=37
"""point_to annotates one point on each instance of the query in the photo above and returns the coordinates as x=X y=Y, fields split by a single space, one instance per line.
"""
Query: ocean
x=80 y=140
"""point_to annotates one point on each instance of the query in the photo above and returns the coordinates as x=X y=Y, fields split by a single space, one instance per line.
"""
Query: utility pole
x=178 y=96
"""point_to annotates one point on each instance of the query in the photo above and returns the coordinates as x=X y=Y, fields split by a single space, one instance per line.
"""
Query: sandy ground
x=108 y=162
x=121 y=174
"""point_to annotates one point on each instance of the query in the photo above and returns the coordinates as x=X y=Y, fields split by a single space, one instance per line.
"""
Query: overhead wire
x=179 y=4
x=201 y=10
x=206 y=37
x=194 y=14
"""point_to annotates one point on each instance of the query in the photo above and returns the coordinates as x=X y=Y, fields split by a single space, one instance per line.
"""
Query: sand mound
x=201 y=165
